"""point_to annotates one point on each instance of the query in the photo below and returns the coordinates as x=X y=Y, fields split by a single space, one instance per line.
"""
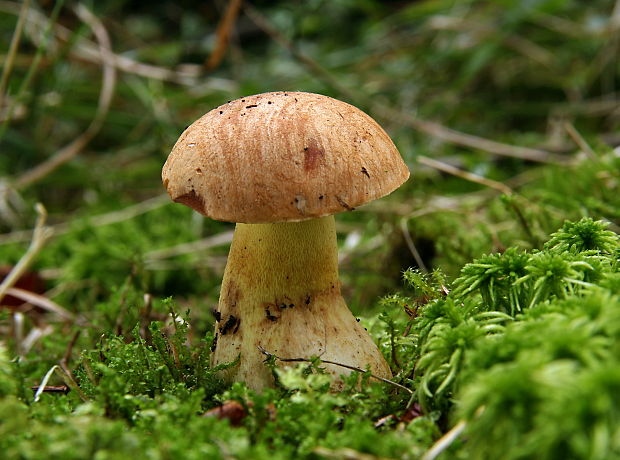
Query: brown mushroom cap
x=283 y=156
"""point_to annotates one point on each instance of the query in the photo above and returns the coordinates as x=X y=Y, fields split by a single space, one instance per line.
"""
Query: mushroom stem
x=281 y=292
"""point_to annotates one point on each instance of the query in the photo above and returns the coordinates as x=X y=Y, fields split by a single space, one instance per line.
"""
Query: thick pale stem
x=281 y=291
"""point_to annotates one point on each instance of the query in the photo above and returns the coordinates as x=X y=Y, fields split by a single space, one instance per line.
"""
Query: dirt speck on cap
x=314 y=155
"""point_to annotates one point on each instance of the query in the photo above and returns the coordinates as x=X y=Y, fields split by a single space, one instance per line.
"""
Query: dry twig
x=66 y=377
x=46 y=26
x=411 y=245
x=97 y=221
x=263 y=23
x=43 y=383
x=346 y=366
x=64 y=365
x=34 y=335
x=105 y=98
x=224 y=29
x=10 y=57
x=88 y=51
x=447 y=168
x=579 y=140
x=64 y=389
x=452 y=136
x=11 y=204
x=39 y=237
x=41 y=302
x=447 y=439
x=212 y=241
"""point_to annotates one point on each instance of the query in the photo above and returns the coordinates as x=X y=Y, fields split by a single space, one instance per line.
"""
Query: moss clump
x=525 y=349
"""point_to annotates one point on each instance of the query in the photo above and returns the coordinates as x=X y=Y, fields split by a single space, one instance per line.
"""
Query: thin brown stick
x=64 y=366
x=411 y=245
x=10 y=57
x=448 y=438
x=223 y=32
x=445 y=441
x=614 y=20
x=265 y=25
x=524 y=223
x=579 y=140
x=88 y=51
x=64 y=389
x=572 y=29
x=67 y=356
x=346 y=366
x=218 y=239
x=530 y=49
x=89 y=370
x=70 y=381
x=471 y=177
x=41 y=302
x=482 y=32
x=97 y=221
x=33 y=68
x=34 y=335
x=105 y=98
x=44 y=381
x=452 y=136
x=11 y=204
x=40 y=235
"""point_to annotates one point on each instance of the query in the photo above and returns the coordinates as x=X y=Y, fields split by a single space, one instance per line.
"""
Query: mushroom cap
x=282 y=156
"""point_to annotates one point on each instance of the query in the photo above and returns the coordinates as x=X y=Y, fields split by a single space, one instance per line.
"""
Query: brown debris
x=29 y=281
x=411 y=413
x=64 y=389
x=235 y=412
x=232 y=411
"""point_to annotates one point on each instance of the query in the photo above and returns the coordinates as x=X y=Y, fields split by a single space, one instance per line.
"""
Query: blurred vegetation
x=506 y=112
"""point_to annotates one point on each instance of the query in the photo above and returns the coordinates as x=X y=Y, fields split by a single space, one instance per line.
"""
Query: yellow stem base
x=281 y=292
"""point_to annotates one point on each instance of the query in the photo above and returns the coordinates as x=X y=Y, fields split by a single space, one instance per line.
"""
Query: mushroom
x=280 y=165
